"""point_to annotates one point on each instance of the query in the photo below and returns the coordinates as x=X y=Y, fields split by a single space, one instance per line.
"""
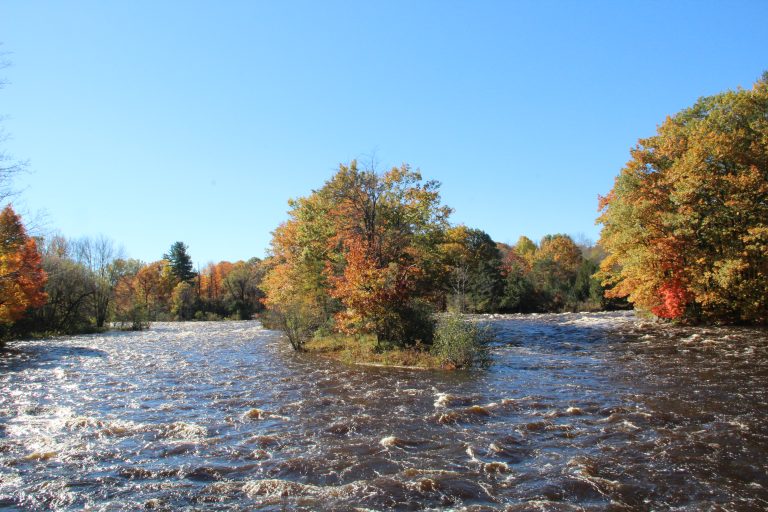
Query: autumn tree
x=211 y=281
x=129 y=308
x=296 y=284
x=686 y=223
x=21 y=275
x=388 y=226
x=526 y=249
x=359 y=253
x=154 y=285
x=555 y=267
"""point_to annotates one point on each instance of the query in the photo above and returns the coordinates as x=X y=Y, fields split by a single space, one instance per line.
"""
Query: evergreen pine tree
x=180 y=262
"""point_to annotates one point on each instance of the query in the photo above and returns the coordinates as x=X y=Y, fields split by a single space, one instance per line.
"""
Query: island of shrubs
x=364 y=265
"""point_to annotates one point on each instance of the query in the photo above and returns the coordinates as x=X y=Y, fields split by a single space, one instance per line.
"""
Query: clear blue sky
x=152 y=122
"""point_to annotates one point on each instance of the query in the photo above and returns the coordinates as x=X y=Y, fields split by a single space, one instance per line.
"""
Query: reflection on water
x=578 y=412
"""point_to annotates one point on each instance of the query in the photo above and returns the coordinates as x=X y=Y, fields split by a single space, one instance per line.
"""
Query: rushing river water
x=578 y=412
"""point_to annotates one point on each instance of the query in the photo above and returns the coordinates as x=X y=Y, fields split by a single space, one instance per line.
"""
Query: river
x=578 y=412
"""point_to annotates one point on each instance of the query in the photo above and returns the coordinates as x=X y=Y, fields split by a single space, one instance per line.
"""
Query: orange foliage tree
x=21 y=276
x=371 y=293
x=151 y=288
x=212 y=281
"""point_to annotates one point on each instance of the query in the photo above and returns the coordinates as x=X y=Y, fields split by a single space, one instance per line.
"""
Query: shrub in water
x=461 y=344
x=297 y=320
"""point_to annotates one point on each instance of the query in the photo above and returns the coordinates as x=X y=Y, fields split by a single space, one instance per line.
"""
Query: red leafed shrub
x=674 y=298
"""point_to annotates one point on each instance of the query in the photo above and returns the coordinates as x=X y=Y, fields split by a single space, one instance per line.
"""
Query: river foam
x=578 y=411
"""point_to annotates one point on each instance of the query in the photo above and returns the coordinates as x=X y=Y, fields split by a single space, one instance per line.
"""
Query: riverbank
x=363 y=350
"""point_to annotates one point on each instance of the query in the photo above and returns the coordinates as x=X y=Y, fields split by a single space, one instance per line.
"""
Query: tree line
x=57 y=285
x=62 y=285
x=684 y=237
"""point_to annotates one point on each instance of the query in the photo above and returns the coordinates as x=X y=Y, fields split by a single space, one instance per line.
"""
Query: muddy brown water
x=577 y=412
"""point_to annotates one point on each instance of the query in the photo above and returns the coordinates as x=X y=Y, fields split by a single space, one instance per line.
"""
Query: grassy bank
x=457 y=344
x=363 y=350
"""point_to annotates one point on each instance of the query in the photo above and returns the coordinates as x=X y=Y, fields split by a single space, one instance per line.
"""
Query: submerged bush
x=298 y=321
x=461 y=344
x=133 y=317
x=209 y=316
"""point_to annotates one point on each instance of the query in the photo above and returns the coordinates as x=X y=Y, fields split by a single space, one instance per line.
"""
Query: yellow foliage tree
x=686 y=224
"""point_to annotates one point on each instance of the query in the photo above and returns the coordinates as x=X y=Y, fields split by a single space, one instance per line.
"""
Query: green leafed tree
x=183 y=301
x=475 y=270
x=180 y=262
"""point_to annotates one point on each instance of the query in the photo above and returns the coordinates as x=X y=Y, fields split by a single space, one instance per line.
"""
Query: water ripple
x=578 y=412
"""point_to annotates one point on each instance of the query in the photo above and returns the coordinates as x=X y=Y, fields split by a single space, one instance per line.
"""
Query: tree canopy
x=357 y=253
x=686 y=223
